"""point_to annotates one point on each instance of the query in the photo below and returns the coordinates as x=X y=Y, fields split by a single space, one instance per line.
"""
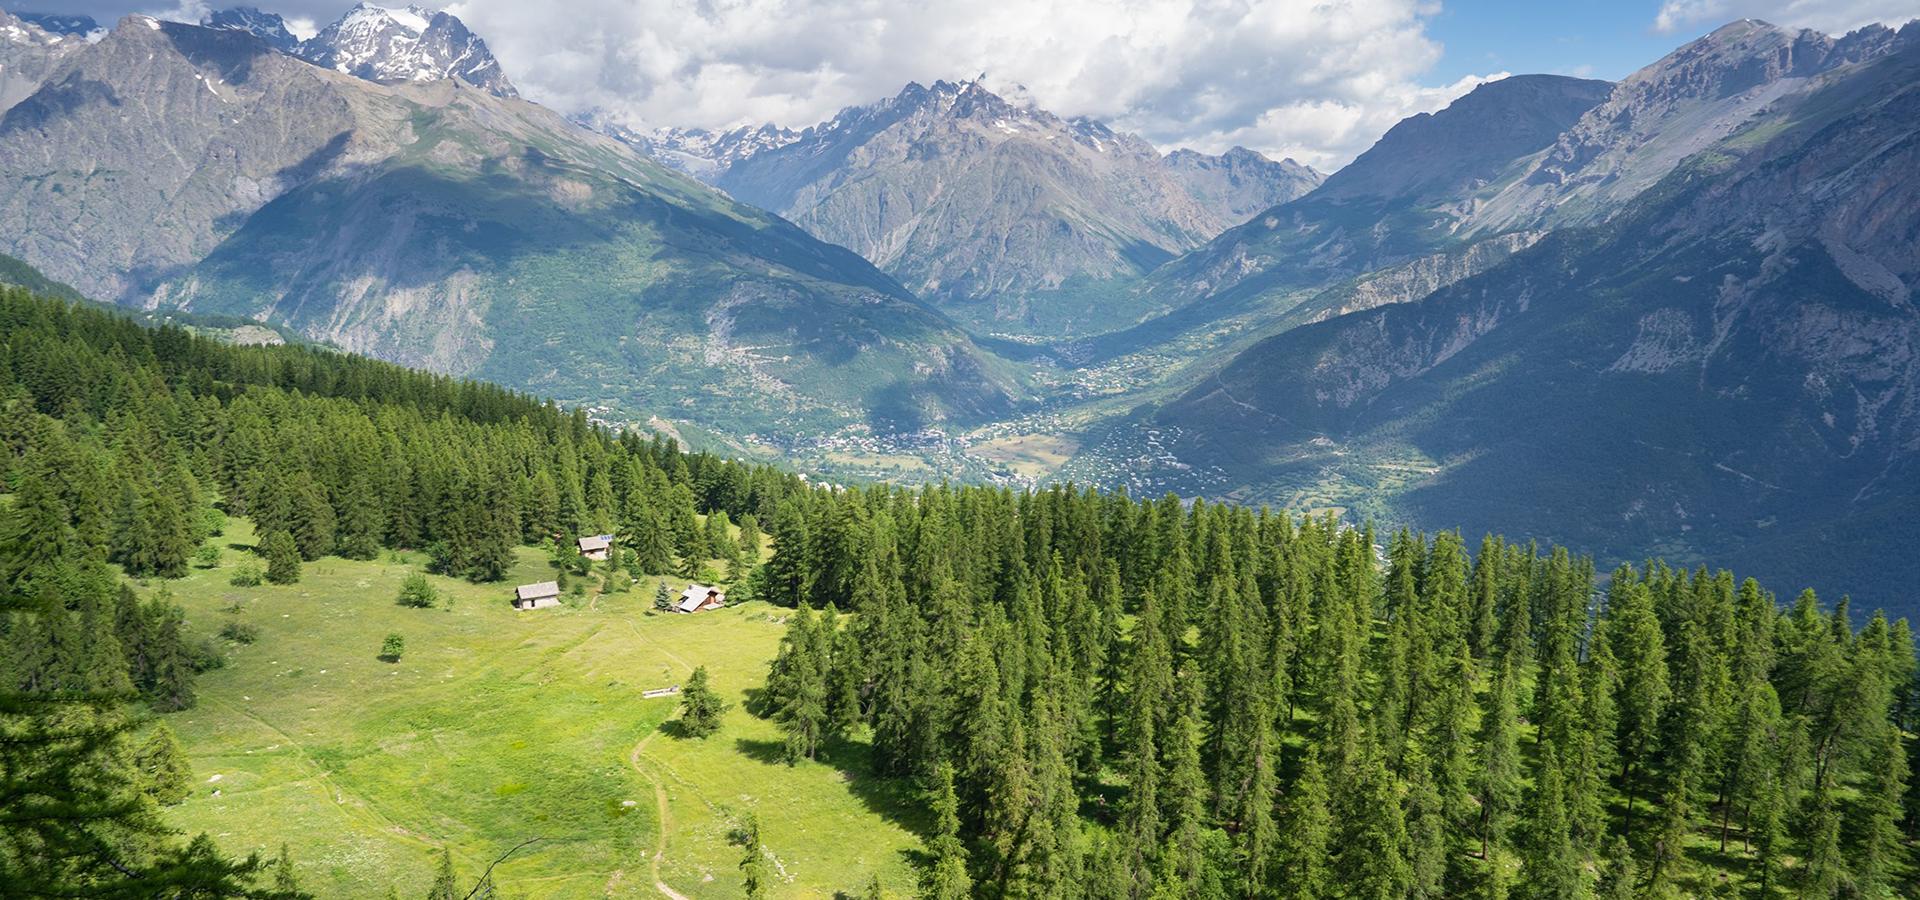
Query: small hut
x=537 y=596
x=595 y=547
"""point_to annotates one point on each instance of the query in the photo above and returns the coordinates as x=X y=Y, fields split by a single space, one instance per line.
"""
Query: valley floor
x=498 y=726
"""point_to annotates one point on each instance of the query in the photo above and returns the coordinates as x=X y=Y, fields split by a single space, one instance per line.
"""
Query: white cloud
x=1830 y=16
x=1318 y=80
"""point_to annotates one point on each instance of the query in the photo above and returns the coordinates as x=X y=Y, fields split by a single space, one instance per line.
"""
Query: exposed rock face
x=443 y=226
x=1665 y=113
x=982 y=204
x=28 y=54
x=1729 y=367
x=1397 y=205
x=411 y=44
x=269 y=27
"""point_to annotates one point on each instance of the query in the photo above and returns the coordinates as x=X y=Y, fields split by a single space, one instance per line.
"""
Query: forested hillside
x=127 y=446
x=1099 y=697
x=1114 y=699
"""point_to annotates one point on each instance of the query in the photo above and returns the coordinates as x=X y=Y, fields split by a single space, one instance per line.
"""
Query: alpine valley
x=1671 y=315
x=422 y=475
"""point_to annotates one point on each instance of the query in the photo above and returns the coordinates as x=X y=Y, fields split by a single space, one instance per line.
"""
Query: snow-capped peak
x=412 y=43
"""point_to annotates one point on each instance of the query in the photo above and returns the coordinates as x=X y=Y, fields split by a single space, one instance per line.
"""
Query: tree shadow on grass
x=897 y=800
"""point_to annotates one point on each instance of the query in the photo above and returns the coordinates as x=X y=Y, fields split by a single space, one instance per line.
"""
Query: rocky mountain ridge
x=1729 y=365
x=410 y=44
x=443 y=226
x=999 y=211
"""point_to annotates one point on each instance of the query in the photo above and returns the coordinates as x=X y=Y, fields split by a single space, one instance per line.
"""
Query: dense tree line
x=125 y=447
x=1101 y=697
x=1108 y=698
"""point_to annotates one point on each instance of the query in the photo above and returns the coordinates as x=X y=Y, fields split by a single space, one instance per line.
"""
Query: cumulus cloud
x=1830 y=16
x=1317 y=80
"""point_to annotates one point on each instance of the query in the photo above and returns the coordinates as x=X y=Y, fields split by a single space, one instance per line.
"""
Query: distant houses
x=700 y=598
x=595 y=547
x=538 y=595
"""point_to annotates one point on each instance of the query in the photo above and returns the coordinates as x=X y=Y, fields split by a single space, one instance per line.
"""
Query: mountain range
x=1712 y=348
x=1669 y=315
x=1002 y=214
x=446 y=226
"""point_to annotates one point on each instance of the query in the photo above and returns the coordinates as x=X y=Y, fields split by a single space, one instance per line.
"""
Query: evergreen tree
x=284 y=881
x=169 y=778
x=1637 y=642
x=1552 y=867
x=1883 y=847
x=283 y=558
x=946 y=878
x=700 y=707
x=444 y=885
x=1306 y=839
x=753 y=858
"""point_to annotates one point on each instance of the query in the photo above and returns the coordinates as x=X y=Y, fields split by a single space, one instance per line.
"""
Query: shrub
x=240 y=632
x=207 y=557
x=246 y=576
x=418 y=592
x=392 y=648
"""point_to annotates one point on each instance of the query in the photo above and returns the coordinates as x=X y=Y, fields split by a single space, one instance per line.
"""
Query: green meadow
x=497 y=727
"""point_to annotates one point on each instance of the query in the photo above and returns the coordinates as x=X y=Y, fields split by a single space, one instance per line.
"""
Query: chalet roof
x=539 y=590
x=696 y=594
x=595 y=542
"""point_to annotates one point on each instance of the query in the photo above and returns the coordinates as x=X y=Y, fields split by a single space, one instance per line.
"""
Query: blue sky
x=1591 y=39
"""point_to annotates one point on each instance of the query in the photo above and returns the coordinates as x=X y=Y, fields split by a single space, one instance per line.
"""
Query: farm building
x=699 y=597
x=536 y=596
x=594 y=547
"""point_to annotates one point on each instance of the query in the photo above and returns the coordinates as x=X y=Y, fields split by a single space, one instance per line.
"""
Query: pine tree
x=1825 y=869
x=444 y=886
x=800 y=700
x=753 y=858
x=1637 y=642
x=1186 y=790
x=1305 y=839
x=283 y=558
x=1552 y=867
x=169 y=778
x=1499 y=781
x=1883 y=848
x=946 y=878
x=284 y=881
x=700 y=707
x=1372 y=861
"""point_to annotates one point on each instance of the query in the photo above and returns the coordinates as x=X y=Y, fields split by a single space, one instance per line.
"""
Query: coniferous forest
x=1097 y=696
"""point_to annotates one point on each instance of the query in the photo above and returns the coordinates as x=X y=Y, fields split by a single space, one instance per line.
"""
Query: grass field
x=497 y=726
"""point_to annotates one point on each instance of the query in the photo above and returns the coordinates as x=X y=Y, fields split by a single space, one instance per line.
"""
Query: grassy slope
x=497 y=726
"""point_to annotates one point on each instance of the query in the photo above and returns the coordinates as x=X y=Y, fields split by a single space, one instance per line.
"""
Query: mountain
x=1728 y=365
x=411 y=44
x=438 y=225
x=28 y=54
x=1664 y=114
x=698 y=152
x=1384 y=229
x=1005 y=215
x=73 y=24
x=269 y=27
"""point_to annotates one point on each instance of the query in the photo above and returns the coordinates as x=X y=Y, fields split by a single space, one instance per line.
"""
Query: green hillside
x=498 y=726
